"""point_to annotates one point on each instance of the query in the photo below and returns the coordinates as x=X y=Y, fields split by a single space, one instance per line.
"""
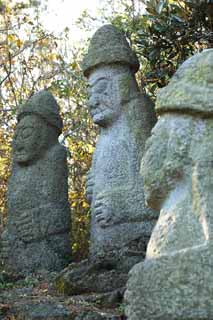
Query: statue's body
x=175 y=280
x=120 y=221
x=38 y=226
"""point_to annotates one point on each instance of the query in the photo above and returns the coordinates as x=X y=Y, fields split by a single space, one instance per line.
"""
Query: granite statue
x=120 y=220
x=37 y=233
x=121 y=224
x=174 y=282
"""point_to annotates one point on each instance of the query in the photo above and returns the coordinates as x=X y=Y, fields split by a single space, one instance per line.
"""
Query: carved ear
x=127 y=86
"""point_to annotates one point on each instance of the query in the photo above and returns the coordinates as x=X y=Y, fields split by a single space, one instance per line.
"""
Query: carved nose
x=93 y=102
x=18 y=146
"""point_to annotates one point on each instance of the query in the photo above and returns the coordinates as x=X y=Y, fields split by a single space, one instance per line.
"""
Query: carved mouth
x=94 y=111
x=100 y=217
x=20 y=155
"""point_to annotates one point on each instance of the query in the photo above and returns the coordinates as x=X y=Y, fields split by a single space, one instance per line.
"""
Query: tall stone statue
x=120 y=221
x=37 y=231
x=175 y=280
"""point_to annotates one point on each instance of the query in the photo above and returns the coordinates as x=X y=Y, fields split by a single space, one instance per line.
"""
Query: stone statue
x=175 y=280
x=120 y=221
x=37 y=231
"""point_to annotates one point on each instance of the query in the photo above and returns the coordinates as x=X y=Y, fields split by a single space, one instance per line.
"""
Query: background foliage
x=32 y=59
x=163 y=36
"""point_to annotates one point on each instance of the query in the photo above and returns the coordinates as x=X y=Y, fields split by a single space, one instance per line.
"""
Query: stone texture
x=175 y=280
x=118 y=50
x=92 y=315
x=42 y=311
x=120 y=220
x=86 y=277
x=194 y=92
x=33 y=298
x=37 y=231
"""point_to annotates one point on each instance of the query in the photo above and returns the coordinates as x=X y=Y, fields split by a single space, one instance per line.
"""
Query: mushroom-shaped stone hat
x=109 y=46
x=45 y=106
x=191 y=88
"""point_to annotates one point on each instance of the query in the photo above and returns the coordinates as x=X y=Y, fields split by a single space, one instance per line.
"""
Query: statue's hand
x=26 y=227
x=5 y=245
x=103 y=210
x=89 y=186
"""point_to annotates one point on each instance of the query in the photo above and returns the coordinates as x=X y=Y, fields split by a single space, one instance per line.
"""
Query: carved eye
x=101 y=87
x=89 y=91
x=26 y=132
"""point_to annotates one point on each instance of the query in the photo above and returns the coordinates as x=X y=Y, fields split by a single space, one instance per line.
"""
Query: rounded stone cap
x=108 y=45
x=191 y=88
x=44 y=105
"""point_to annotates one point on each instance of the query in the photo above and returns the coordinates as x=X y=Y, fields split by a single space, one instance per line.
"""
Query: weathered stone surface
x=37 y=231
x=89 y=277
x=92 y=315
x=194 y=92
x=118 y=50
x=104 y=300
x=120 y=220
x=42 y=311
x=176 y=286
x=33 y=298
x=175 y=280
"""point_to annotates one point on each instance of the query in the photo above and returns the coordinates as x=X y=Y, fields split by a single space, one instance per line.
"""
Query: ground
x=35 y=298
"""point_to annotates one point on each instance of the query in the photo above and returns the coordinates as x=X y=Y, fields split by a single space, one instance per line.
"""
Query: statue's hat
x=44 y=105
x=108 y=46
x=191 y=88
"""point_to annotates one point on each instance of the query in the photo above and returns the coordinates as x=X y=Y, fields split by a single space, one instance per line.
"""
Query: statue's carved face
x=104 y=104
x=166 y=155
x=28 y=139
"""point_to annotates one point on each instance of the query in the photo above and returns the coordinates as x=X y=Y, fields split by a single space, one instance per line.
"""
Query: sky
x=64 y=13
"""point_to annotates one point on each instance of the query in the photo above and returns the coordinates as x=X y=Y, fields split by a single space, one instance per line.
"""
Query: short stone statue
x=175 y=280
x=37 y=231
x=120 y=220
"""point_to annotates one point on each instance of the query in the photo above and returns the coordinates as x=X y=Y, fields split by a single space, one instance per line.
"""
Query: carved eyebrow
x=97 y=80
x=28 y=127
x=24 y=127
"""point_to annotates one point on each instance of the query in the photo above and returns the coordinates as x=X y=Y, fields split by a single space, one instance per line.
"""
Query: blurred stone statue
x=175 y=280
x=37 y=234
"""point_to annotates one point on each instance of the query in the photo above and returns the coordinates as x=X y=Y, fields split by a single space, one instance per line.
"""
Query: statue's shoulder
x=57 y=153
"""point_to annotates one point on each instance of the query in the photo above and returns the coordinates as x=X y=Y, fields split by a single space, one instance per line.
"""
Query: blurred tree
x=163 y=33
